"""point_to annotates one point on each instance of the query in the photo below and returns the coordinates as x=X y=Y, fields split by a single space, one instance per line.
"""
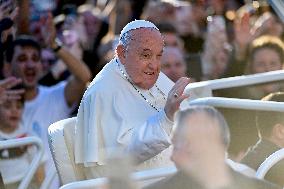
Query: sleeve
x=105 y=124
x=151 y=138
x=143 y=137
x=57 y=96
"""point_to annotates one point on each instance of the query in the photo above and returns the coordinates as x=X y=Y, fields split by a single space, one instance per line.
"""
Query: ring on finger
x=175 y=95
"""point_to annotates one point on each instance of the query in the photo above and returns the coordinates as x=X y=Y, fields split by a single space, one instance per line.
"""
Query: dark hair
x=69 y=9
x=22 y=41
x=166 y=27
x=266 y=120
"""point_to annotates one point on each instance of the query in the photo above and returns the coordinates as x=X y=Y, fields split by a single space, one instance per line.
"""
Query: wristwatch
x=58 y=45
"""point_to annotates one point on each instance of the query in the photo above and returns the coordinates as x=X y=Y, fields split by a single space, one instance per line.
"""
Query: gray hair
x=213 y=113
x=125 y=39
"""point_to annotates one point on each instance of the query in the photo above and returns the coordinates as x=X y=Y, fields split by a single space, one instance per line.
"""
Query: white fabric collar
x=123 y=69
x=136 y=24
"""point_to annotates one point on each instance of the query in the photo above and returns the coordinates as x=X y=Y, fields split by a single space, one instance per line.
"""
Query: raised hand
x=176 y=96
x=243 y=33
x=8 y=15
x=48 y=31
x=6 y=93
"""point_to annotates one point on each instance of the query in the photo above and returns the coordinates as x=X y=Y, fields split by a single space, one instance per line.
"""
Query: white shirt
x=48 y=107
x=113 y=115
x=14 y=169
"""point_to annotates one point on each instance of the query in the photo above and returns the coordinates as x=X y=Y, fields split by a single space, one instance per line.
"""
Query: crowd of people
x=121 y=68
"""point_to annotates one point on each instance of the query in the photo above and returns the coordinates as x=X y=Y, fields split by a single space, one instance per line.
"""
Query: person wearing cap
x=129 y=106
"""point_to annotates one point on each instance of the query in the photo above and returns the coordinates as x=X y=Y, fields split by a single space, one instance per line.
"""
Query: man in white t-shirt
x=45 y=105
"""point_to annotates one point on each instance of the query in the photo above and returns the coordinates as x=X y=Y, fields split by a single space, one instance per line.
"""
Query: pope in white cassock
x=129 y=105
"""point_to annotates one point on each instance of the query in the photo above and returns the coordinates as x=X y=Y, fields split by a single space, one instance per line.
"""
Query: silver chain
x=152 y=105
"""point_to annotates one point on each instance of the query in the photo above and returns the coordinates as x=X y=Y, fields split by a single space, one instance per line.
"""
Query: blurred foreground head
x=201 y=133
x=200 y=143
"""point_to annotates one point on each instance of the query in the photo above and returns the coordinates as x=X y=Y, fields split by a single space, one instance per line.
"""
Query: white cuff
x=165 y=122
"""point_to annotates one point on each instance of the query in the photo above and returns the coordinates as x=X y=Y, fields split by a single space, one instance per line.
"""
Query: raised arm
x=80 y=72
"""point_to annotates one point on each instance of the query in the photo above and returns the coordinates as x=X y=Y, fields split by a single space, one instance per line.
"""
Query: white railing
x=237 y=103
x=36 y=159
x=137 y=176
x=205 y=88
x=248 y=105
x=154 y=173
x=51 y=175
x=86 y=184
x=269 y=162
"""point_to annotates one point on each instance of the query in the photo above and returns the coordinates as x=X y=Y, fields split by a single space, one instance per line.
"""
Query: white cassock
x=114 y=115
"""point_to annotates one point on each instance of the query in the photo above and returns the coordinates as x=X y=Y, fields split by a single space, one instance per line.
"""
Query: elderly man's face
x=142 y=57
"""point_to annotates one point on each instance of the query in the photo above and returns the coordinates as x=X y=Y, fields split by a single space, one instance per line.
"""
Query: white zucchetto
x=137 y=24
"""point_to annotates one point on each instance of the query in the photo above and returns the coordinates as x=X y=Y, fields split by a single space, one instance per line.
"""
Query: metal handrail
x=205 y=88
x=154 y=173
x=86 y=184
x=51 y=175
x=11 y=143
x=237 y=103
x=137 y=176
x=269 y=162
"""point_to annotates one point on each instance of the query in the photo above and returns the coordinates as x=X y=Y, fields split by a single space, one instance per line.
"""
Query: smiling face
x=26 y=65
x=265 y=60
x=142 y=57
